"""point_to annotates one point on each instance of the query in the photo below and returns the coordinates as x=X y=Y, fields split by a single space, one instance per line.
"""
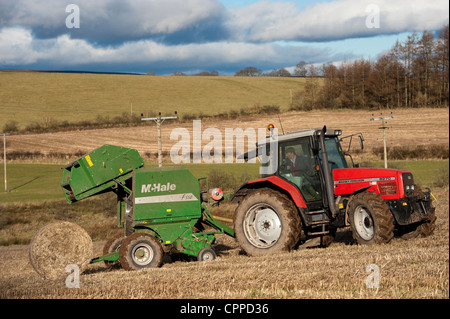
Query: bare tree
x=312 y=87
x=300 y=69
x=249 y=71
x=442 y=57
x=423 y=63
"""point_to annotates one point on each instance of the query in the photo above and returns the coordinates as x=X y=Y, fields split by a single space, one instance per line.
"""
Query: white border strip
x=186 y=197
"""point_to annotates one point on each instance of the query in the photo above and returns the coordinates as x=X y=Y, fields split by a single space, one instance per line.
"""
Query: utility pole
x=383 y=127
x=4 y=160
x=159 y=120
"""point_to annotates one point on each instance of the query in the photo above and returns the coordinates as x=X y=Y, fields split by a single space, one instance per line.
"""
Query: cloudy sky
x=165 y=36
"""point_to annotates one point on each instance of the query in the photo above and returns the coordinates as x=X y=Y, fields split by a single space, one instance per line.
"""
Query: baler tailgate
x=98 y=171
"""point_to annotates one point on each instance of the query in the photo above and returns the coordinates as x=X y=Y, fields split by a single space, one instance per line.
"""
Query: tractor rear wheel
x=370 y=219
x=266 y=222
x=139 y=251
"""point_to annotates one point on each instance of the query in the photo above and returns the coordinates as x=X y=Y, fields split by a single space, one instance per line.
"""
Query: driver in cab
x=293 y=163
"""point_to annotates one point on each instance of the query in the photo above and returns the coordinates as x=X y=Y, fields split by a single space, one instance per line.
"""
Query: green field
x=41 y=182
x=426 y=173
x=31 y=183
x=39 y=97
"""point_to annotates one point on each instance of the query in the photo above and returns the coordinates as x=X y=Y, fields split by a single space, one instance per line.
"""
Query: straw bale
x=58 y=245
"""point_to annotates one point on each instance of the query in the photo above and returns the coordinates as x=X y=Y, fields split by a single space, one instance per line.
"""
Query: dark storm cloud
x=196 y=34
x=118 y=21
x=196 y=21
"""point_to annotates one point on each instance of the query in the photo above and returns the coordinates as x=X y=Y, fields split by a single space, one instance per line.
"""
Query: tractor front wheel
x=370 y=219
x=423 y=229
x=139 y=251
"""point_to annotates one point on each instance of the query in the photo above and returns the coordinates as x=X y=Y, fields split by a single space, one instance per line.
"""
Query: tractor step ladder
x=316 y=219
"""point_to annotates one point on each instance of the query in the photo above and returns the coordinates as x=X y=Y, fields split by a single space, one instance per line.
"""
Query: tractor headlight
x=408 y=183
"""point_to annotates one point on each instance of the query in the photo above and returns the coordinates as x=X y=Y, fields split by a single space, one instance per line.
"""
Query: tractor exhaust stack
x=327 y=174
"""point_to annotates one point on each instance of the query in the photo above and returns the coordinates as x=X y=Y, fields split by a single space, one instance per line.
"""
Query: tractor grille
x=408 y=184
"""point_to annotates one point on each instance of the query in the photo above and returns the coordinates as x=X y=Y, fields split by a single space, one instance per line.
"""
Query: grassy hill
x=38 y=97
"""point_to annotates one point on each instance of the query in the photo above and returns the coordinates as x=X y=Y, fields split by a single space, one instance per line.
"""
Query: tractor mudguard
x=364 y=189
x=273 y=182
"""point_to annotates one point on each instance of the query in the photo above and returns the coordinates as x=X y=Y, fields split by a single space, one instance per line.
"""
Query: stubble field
x=409 y=127
x=417 y=268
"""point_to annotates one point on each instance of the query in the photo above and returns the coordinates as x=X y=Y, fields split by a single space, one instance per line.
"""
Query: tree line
x=414 y=73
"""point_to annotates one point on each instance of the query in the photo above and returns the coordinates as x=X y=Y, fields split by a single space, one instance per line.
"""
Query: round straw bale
x=58 y=245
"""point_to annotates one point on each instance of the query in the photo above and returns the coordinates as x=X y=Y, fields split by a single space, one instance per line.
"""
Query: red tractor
x=310 y=192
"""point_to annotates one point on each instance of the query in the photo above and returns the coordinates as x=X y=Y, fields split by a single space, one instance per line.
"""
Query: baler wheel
x=140 y=251
x=206 y=254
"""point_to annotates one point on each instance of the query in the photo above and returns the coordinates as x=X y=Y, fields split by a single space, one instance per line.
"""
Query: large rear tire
x=370 y=219
x=266 y=222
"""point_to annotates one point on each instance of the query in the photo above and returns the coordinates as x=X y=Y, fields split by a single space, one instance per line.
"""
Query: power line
x=384 y=127
x=4 y=159
x=159 y=120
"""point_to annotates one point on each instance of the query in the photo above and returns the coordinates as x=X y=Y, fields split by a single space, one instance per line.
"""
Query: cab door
x=297 y=164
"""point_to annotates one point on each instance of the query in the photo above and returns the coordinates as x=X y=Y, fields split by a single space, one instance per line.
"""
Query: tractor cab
x=297 y=158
